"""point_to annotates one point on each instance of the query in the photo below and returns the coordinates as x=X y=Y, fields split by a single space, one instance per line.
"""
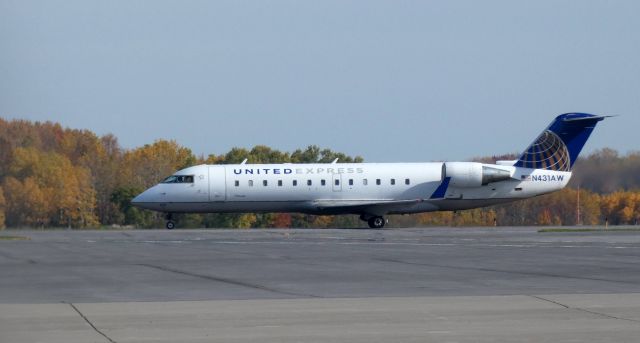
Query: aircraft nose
x=143 y=198
x=151 y=199
x=137 y=199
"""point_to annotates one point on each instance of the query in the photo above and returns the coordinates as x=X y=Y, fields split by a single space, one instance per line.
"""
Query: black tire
x=171 y=225
x=376 y=222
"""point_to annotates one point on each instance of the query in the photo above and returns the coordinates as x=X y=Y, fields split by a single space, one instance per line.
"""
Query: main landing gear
x=375 y=222
x=170 y=223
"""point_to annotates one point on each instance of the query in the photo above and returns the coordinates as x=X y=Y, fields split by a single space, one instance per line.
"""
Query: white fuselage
x=359 y=188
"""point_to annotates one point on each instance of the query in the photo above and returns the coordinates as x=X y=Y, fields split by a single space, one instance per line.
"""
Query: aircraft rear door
x=217 y=183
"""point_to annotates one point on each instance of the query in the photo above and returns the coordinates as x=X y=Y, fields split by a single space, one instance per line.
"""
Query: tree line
x=52 y=176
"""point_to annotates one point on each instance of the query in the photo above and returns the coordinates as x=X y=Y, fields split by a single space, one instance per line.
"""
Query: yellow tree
x=143 y=167
x=608 y=205
x=628 y=207
x=621 y=207
x=26 y=204
x=101 y=156
x=68 y=196
x=590 y=207
x=321 y=221
x=246 y=220
x=104 y=164
x=544 y=217
x=74 y=194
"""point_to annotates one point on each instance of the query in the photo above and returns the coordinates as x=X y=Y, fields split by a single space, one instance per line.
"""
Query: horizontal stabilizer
x=597 y=118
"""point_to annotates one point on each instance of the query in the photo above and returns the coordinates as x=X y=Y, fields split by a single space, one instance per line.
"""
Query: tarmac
x=501 y=284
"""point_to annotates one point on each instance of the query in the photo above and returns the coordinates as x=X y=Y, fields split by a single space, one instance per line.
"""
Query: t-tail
x=559 y=145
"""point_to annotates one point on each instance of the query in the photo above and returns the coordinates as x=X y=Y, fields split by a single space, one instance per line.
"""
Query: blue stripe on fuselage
x=442 y=189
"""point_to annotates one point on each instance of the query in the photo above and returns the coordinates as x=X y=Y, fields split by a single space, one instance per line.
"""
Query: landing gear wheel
x=170 y=225
x=376 y=222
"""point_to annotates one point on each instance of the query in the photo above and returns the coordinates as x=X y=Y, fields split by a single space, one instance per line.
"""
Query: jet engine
x=473 y=174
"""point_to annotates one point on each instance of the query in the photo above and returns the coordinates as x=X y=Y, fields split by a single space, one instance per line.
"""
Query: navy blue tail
x=558 y=147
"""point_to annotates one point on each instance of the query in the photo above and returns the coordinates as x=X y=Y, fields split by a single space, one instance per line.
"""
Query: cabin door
x=217 y=183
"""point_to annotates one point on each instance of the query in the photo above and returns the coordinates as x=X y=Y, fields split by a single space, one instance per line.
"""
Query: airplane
x=373 y=190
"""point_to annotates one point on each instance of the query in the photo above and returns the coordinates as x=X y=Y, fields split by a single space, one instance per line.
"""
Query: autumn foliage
x=52 y=176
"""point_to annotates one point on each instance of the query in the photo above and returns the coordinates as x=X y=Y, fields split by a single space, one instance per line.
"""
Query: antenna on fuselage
x=244 y=161
x=335 y=161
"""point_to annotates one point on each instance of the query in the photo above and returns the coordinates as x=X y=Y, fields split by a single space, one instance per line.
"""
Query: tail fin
x=558 y=147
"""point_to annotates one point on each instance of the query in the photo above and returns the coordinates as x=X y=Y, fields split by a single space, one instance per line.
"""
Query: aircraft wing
x=376 y=207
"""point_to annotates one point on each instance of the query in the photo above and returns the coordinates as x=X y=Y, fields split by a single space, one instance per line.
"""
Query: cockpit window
x=179 y=179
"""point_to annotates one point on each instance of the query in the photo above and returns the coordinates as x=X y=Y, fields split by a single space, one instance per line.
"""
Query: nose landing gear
x=170 y=223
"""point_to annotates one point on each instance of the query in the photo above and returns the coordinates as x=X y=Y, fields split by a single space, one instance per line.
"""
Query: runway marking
x=383 y=241
x=228 y=281
x=172 y=242
x=432 y=244
x=502 y=271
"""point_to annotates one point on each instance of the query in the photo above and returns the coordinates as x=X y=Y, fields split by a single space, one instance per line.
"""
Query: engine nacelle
x=473 y=174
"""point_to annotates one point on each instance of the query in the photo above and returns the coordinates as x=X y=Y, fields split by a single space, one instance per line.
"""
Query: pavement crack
x=604 y=315
x=228 y=281
x=550 y=301
x=90 y=323
x=11 y=257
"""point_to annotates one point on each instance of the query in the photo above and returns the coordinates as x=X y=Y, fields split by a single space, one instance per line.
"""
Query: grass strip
x=13 y=238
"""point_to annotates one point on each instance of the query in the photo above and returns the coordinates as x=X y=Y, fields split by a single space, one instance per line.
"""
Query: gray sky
x=389 y=80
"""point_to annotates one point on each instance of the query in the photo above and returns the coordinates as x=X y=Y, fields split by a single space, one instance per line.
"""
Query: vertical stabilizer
x=559 y=145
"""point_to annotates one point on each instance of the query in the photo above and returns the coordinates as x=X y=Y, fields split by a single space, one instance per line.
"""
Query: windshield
x=179 y=179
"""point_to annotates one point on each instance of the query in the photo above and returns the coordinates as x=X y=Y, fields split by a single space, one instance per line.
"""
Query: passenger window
x=378 y=182
x=323 y=182
x=237 y=183
x=407 y=182
x=279 y=183
x=350 y=182
x=250 y=183
x=337 y=182
x=295 y=182
x=308 y=182
x=393 y=182
x=264 y=183
x=364 y=182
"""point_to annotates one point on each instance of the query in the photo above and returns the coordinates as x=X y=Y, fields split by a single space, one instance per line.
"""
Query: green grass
x=13 y=238
x=590 y=229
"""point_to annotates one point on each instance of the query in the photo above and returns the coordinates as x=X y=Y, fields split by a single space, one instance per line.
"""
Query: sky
x=388 y=80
